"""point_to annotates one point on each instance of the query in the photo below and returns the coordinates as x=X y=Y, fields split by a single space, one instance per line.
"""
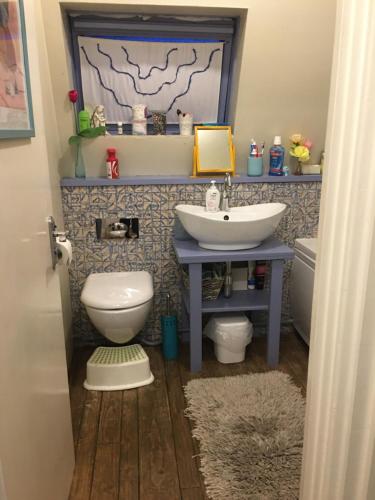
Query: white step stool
x=118 y=368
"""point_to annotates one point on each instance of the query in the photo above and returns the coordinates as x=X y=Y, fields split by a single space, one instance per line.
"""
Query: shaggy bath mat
x=250 y=429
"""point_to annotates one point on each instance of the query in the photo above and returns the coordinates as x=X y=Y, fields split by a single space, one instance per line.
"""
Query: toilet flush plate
x=118 y=368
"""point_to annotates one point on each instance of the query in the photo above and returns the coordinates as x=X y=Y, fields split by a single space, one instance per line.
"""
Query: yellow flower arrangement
x=302 y=153
x=300 y=149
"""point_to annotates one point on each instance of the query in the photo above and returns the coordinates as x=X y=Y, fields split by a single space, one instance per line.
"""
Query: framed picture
x=16 y=116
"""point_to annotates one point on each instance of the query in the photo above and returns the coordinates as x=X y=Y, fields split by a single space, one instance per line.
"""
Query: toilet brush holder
x=169 y=337
x=169 y=333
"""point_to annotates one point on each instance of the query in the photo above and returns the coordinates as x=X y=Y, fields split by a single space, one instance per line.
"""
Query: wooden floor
x=137 y=444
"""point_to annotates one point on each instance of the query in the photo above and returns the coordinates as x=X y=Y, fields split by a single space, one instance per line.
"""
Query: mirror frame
x=197 y=170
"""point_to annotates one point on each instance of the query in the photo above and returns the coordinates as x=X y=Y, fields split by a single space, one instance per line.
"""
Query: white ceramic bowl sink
x=238 y=229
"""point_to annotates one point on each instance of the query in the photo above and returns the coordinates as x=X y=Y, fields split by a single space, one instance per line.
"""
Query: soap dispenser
x=212 y=198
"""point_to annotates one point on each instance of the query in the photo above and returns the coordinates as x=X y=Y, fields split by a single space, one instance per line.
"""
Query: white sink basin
x=238 y=229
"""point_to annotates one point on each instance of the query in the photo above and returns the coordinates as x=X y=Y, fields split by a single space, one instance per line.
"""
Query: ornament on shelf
x=83 y=130
x=186 y=122
x=98 y=118
x=300 y=149
x=139 y=121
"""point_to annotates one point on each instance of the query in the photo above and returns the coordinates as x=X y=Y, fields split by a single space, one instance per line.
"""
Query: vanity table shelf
x=241 y=300
x=272 y=250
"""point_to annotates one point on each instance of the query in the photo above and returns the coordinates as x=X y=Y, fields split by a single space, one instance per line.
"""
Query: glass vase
x=79 y=169
x=298 y=169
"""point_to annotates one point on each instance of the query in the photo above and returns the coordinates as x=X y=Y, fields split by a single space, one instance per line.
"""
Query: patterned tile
x=153 y=251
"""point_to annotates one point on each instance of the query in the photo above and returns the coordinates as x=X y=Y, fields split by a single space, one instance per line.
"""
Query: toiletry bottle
x=251 y=275
x=277 y=152
x=83 y=120
x=212 y=198
x=260 y=274
x=228 y=281
x=112 y=164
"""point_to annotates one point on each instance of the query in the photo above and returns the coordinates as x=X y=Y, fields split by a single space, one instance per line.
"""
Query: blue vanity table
x=188 y=252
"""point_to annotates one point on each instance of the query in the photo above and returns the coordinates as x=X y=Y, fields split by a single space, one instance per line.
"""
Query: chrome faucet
x=226 y=194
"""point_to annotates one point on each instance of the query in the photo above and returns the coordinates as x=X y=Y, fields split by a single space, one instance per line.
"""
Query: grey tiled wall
x=153 y=252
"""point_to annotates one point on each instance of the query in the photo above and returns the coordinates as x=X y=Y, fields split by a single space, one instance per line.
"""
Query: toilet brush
x=169 y=333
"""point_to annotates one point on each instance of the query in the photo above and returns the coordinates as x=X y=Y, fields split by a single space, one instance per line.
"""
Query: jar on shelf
x=159 y=120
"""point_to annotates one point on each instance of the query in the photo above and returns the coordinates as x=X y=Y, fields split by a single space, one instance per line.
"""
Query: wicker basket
x=211 y=285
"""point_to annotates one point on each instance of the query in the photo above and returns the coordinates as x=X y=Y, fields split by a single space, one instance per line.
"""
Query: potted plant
x=89 y=133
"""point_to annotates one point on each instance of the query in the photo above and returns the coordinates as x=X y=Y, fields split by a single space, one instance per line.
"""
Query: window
x=165 y=63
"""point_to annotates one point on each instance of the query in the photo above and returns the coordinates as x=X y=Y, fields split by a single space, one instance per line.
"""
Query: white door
x=36 y=447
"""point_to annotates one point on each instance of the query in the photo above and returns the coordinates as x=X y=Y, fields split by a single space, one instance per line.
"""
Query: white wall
x=282 y=72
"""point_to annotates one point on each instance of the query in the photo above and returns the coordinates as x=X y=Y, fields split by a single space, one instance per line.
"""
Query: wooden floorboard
x=77 y=375
x=187 y=463
x=158 y=477
x=137 y=444
x=106 y=474
x=105 y=482
x=129 y=454
x=110 y=418
x=192 y=494
x=86 y=448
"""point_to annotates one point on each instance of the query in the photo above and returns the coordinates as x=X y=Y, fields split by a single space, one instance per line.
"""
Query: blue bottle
x=277 y=153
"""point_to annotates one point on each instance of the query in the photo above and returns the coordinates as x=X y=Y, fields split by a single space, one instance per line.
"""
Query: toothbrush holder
x=255 y=166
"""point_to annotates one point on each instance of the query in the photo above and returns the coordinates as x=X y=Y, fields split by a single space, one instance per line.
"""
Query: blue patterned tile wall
x=153 y=252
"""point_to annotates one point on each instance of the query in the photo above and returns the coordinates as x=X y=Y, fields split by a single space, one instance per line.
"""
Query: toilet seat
x=119 y=290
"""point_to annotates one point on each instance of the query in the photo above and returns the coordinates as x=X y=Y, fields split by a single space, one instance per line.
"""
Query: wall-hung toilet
x=118 y=305
x=302 y=285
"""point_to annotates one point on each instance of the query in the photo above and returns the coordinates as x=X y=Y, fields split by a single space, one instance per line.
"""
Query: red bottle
x=112 y=164
x=260 y=274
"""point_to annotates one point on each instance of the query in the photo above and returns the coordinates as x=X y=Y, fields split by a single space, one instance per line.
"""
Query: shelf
x=189 y=252
x=241 y=300
x=139 y=180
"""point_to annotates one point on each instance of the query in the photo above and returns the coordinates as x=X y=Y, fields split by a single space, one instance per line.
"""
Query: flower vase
x=79 y=169
x=298 y=169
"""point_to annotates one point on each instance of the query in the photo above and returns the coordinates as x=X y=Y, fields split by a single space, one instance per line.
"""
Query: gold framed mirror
x=213 y=150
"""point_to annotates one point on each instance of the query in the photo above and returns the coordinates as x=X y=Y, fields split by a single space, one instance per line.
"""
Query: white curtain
x=165 y=76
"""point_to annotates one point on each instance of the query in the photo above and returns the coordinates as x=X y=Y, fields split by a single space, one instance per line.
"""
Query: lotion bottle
x=212 y=198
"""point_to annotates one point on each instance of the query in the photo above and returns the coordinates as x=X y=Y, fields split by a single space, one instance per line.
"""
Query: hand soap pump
x=212 y=198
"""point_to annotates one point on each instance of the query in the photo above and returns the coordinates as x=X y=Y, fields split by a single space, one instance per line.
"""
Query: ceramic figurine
x=139 y=119
x=98 y=117
x=186 y=122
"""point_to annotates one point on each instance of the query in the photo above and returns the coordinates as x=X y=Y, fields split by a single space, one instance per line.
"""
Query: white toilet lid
x=117 y=290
